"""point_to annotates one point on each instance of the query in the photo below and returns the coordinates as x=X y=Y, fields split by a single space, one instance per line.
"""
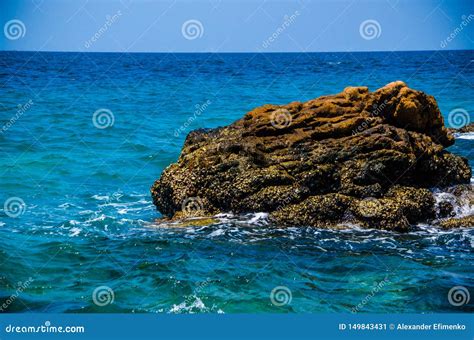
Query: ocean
x=83 y=136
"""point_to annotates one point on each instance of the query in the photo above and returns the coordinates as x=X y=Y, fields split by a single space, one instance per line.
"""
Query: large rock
x=358 y=156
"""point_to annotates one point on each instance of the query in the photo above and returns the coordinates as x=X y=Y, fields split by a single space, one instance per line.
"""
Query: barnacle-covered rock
x=357 y=156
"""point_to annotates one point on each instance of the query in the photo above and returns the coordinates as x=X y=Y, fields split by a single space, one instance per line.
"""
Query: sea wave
x=193 y=304
x=467 y=135
x=239 y=229
x=463 y=204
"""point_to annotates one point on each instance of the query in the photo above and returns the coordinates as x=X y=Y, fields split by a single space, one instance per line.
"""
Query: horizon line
x=233 y=52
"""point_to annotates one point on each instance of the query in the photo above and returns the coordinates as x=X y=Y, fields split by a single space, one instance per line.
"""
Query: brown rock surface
x=466 y=129
x=463 y=222
x=357 y=156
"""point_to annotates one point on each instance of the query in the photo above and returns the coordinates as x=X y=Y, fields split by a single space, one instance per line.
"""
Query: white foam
x=74 y=222
x=75 y=232
x=461 y=205
x=197 y=304
x=101 y=217
x=101 y=198
x=258 y=217
x=217 y=232
x=467 y=135
x=66 y=205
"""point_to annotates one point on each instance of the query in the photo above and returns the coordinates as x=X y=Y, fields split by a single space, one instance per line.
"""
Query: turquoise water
x=88 y=221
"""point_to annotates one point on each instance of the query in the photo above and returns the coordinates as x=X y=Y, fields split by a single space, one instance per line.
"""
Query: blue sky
x=236 y=26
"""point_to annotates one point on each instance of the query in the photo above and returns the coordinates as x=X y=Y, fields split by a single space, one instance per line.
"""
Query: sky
x=236 y=26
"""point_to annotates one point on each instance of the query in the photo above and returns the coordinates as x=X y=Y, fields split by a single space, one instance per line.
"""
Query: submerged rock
x=354 y=157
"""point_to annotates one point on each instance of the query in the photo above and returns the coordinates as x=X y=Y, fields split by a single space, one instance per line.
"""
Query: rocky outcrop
x=465 y=129
x=355 y=157
x=462 y=222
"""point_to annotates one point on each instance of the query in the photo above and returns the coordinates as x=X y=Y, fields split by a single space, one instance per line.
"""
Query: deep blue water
x=88 y=220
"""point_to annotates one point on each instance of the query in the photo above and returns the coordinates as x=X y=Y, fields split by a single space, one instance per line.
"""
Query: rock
x=445 y=209
x=357 y=156
x=400 y=207
x=455 y=201
x=185 y=222
x=465 y=129
x=463 y=222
